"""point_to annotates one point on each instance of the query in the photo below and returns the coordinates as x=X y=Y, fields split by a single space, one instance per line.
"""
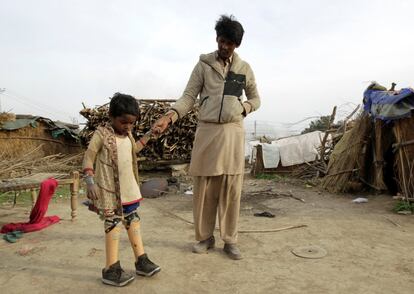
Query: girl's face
x=123 y=124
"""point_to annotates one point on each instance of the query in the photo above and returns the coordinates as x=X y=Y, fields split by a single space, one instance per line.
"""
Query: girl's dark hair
x=123 y=104
x=229 y=28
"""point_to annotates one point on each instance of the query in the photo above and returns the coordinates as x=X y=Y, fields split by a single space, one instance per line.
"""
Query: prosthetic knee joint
x=130 y=218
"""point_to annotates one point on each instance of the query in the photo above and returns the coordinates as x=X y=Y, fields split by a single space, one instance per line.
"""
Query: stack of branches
x=318 y=167
x=347 y=161
x=95 y=117
x=173 y=145
x=332 y=136
x=310 y=170
x=30 y=164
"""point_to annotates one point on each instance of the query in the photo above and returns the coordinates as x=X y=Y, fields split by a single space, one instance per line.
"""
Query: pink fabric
x=37 y=219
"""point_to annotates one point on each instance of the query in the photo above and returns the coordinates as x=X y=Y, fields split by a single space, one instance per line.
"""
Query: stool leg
x=74 y=192
x=33 y=193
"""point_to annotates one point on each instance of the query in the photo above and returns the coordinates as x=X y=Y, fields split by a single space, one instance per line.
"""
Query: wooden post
x=378 y=154
x=258 y=166
x=34 y=196
x=74 y=191
x=402 y=179
x=325 y=137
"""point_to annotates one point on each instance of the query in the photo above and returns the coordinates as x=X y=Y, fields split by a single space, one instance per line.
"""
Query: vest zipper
x=222 y=99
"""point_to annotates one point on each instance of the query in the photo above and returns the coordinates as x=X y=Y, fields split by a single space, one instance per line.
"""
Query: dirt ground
x=370 y=248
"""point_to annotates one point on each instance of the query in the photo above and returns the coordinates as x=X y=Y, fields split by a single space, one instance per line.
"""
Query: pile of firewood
x=95 y=117
x=174 y=145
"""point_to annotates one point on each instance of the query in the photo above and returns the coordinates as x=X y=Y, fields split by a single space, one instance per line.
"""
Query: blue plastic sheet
x=389 y=105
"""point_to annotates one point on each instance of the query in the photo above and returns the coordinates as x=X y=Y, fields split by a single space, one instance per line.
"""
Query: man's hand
x=161 y=125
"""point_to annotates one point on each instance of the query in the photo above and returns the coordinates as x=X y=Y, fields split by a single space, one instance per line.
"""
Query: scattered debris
x=405 y=212
x=93 y=251
x=360 y=200
x=264 y=214
x=179 y=170
x=29 y=250
x=187 y=190
x=398 y=197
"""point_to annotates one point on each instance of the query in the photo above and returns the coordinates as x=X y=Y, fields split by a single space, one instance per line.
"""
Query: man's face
x=225 y=47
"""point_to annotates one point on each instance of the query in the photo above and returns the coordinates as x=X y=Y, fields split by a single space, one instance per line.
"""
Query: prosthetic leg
x=113 y=274
x=132 y=225
x=143 y=265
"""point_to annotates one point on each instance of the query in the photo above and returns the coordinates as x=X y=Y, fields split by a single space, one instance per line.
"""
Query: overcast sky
x=307 y=55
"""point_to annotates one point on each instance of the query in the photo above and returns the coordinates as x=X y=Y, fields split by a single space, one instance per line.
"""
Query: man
x=217 y=159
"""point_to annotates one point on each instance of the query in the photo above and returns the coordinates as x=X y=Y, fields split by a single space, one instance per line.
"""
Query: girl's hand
x=92 y=192
x=91 y=187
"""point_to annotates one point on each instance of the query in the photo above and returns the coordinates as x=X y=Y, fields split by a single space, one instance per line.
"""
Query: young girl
x=111 y=175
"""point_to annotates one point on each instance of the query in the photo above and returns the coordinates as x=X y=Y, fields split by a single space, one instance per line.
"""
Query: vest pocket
x=232 y=110
x=203 y=100
x=209 y=108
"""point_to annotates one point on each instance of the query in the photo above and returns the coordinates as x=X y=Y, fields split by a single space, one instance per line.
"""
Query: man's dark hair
x=123 y=104
x=229 y=28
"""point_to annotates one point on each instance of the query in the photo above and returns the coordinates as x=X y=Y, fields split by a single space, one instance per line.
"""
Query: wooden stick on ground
x=273 y=230
x=270 y=192
x=393 y=222
x=240 y=231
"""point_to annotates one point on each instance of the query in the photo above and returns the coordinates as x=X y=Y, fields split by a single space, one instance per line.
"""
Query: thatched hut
x=379 y=151
x=21 y=133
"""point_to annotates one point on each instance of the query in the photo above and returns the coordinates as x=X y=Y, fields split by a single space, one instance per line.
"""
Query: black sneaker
x=116 y=276
x=145 y=267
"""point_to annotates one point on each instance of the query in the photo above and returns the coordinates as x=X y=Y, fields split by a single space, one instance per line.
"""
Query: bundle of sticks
x=310 y=170
x=173 y=145
x=30 y=164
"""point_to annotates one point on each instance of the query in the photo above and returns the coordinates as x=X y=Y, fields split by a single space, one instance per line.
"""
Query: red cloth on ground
x=37 y=219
